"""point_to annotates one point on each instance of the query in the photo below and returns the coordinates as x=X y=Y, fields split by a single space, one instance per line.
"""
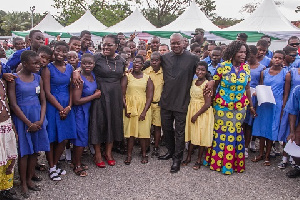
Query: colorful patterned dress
x=227 y=151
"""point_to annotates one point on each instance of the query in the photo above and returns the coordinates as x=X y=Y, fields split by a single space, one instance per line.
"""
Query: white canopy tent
x=267 y=19
x=136 y=22
x=85 y=22
x=191 y=19
x=48 y=24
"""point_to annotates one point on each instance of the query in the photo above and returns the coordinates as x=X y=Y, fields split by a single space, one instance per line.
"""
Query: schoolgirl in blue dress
x=28 y=103
x=266 y=125
x=255 y=69
x=82 y=97
x=262 y=47
x=61 y=118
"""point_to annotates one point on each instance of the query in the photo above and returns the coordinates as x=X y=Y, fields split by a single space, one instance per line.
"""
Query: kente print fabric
x=227 y=151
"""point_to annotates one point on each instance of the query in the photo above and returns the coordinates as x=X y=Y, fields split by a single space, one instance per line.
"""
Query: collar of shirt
x=159 y=71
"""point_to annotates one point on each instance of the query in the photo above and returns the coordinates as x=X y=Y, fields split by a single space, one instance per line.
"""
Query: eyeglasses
x=294 y=44
x=292 y=55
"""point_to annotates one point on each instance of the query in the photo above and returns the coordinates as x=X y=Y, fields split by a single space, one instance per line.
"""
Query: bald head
x=176 y=43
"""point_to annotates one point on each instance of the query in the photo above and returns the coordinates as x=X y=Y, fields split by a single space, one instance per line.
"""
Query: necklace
x=109 y=66
x=3 y=101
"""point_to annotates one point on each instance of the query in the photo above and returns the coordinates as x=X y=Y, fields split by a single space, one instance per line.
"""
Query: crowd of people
x=123 y=93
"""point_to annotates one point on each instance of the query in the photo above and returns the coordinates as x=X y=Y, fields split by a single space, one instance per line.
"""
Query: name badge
x=38 y=90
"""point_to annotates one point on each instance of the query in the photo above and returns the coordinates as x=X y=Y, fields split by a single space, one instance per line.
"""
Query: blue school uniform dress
x=284 y=130
x=15 y=60
x=266 y=124
x=82 y=113
x=27 y=95
x=255 y=77
x=265 y=61
x=269 y=54
x=293 y=104
x=60 y=130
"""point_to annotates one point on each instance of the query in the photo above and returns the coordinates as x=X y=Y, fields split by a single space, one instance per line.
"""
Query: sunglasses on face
x=293 y=55
x=294 y=44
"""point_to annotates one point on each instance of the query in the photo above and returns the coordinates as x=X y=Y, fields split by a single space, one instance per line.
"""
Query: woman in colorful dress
x=232 y=78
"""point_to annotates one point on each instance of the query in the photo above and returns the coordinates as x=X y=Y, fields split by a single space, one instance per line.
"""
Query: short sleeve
x=218 y=73
x=292 y=105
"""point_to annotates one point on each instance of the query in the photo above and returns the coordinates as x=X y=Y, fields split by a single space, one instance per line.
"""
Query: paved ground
x=153 y=181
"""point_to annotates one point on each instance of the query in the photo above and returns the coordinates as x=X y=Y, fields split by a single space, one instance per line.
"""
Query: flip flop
x=257 y=159
x=197 y=165
x=267 y=163
x=185 y=162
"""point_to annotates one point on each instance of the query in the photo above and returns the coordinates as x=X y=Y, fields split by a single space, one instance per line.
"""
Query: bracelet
x=251 y=107
x=30 y=126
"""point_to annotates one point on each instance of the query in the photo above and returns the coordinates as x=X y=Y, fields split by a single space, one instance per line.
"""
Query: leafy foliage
x=108 y=12
x=18 y=21
x=163 y=12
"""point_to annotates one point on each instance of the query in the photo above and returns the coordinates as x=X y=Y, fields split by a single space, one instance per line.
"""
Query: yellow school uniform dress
x=135 y=102
x=200 y=132
x=158 y=82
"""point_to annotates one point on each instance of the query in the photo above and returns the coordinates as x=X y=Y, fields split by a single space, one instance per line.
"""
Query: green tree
x=18 y=21
x=107 y=12
x=224 y=22
x=163 y=12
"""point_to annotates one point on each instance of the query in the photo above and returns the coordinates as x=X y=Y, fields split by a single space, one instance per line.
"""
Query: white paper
x=264 y=94
x=252 y=90
x=292 y=149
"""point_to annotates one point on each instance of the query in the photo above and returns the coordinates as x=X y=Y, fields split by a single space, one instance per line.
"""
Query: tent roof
x=189 y=20
x=85 y=22
x=48 y=24
x=134 y=22
x=266 y=18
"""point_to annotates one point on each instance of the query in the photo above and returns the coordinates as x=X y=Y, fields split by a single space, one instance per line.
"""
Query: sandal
x=80 y=171
x=41 y=167
x=54 y=176
x=36 y=178
x=197 y=165
x=185 y=162
x=127 y=161
x=144 y=160
x=257 y=159
x=267 y=163
x=84 y=166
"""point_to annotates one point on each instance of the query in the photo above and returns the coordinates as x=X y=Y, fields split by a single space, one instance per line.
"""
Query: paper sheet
x=264 y=94
x=292 y=149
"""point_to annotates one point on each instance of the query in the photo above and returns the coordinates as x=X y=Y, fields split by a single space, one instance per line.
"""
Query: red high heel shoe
x=101 y=164
x=109 y=162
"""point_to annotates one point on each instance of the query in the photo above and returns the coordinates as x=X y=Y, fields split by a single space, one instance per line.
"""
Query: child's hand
x=97 y=94
x=127 y=114
x=142 y=116
x=208 y=89
x=33 y=128
x=10 y=168
x=9 y=77
x=39 y=123
x=62 y=115
x=77 y=78
x=194 y=118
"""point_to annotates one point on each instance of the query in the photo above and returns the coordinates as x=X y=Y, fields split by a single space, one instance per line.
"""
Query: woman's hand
x=77 y=80
x=253 y=112
x=291 y=137
x=97 y=94
x=194 y=118
x=142 y=116
x=9 y=77
x=39 y=123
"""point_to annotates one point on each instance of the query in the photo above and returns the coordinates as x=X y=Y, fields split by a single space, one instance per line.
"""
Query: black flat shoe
x=35 y=188
x=167 y=156
x=36 y=178
x=175 y=167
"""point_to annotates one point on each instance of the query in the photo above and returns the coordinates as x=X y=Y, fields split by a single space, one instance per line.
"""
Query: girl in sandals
x=200 y=117
x=137 y=89
x=266 y=125
x=28 y=103
x=82 y=97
